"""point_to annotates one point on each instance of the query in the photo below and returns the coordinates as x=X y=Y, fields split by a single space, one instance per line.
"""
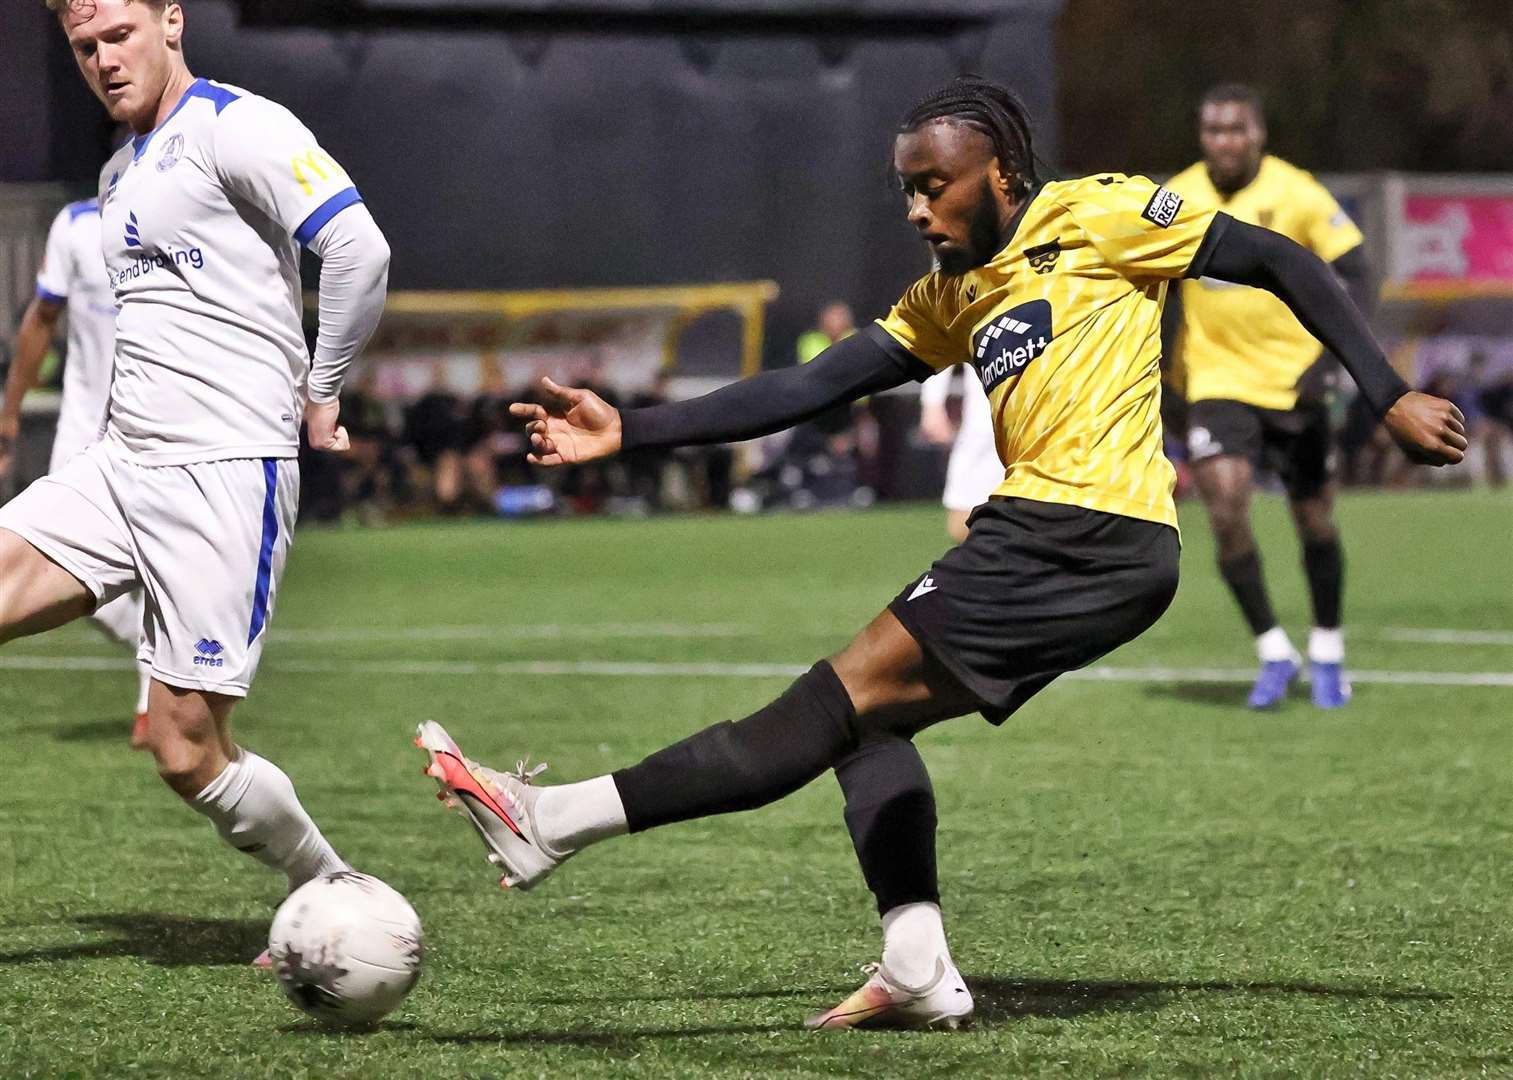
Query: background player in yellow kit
x=1257 y=387
x=1053 y=293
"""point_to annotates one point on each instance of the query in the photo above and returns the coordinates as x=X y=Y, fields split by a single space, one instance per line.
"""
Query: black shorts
x=1036 y=590
x=1293 y=443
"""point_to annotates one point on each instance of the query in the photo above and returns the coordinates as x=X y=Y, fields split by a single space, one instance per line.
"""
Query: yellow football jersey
x=1243 y=344
x=1064 y=328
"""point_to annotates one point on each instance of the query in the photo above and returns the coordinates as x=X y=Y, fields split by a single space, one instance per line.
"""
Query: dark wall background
x=617 y=143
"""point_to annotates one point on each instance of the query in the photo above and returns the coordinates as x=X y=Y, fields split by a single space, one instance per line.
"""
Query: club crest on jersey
x=1006 y=345
x=1163 y=207
x=172 y=151
x=1043 y=256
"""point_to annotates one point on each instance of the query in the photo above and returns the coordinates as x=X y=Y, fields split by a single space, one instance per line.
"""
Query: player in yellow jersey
x=1053 y=293
x=1257 y=382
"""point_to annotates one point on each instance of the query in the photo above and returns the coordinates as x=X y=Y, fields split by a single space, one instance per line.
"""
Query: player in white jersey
x=193 y=490
x=974 y=468
x=72 y=276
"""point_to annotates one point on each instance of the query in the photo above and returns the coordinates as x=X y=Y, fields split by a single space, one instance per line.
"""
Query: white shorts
x=206 y=542
x=973 y=470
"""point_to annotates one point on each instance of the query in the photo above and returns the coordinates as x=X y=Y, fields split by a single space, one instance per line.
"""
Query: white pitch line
x=1437 y=636
x=720 y=670
x=533 y=632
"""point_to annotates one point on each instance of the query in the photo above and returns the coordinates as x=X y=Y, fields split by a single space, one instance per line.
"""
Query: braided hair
x=995 y=111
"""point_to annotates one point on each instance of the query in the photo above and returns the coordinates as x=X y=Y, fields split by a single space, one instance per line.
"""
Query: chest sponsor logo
x=149 y=261
x=1043 y=256
x=1006 y=346
x=1163 y=207
x=172 y=151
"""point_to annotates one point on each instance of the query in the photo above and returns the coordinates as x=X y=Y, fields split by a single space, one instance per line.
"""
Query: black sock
x=1243 y=576
x=1324 y=563
x=890 y=812
x=749 y=763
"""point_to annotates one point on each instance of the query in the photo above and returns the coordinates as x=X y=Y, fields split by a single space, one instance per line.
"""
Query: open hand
x=1430 y=430
x=570 y=426
x=323 y=430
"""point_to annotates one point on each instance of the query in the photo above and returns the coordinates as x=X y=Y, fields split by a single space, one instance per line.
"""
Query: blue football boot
x=1331 y=689
x=1272 y=683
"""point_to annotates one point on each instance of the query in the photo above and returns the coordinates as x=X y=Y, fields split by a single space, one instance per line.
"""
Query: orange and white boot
x=499 y=806
x=885 y=1001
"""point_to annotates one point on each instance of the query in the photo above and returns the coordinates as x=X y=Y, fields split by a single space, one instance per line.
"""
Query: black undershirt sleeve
x=1248 y=255
x=1355 y=272
x=865 y=363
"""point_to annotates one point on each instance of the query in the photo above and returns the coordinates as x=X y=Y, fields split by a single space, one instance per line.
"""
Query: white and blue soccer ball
x=346 y=948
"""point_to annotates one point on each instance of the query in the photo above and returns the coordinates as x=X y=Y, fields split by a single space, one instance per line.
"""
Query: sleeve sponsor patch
x=1163 y=207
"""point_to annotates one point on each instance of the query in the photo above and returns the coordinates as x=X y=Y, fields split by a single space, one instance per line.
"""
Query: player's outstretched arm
x=572 y=426
x=1430 y=430
x=38 y=326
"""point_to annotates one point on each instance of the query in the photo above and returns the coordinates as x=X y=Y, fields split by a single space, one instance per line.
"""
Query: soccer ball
x=346 y=948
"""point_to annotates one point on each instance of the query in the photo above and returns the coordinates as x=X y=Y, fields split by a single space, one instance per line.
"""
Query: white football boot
x=499 y=805
x=885 y=1001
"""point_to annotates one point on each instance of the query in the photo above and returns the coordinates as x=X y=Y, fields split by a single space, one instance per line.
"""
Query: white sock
x=1275 y=645
x=253 y=806
x=1326 y=646
x=914 y=939
x=144 y=684
x=573 y=816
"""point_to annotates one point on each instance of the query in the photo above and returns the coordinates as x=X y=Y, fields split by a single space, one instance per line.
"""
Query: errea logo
x=209 y=653
x=1007 y=344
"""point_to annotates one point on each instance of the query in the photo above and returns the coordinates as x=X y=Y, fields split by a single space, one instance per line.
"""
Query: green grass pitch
x=1140 y=877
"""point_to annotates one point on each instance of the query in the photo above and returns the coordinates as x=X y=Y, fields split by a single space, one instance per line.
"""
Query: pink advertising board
x=1456 y=238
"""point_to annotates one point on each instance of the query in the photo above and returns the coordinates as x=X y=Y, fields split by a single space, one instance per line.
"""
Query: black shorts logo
x=1163 y=207
x=1007 y=344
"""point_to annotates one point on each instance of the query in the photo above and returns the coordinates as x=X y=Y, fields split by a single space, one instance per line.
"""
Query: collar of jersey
x=198 y=88
x=1225 y=200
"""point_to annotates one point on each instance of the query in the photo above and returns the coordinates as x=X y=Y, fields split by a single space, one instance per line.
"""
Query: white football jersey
x=203 y=218
x=73 y=273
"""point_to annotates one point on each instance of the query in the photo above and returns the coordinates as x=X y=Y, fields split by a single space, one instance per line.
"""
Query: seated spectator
x=433 y=432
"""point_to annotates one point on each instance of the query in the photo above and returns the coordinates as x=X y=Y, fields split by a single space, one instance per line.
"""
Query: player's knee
x=1233 y=536
x=181 y=735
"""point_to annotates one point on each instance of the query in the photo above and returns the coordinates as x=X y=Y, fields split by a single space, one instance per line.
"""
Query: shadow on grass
x=165 y=940
x=114 y=729
x=315 y=1029
x=1221 y=694
x=999 y=1002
